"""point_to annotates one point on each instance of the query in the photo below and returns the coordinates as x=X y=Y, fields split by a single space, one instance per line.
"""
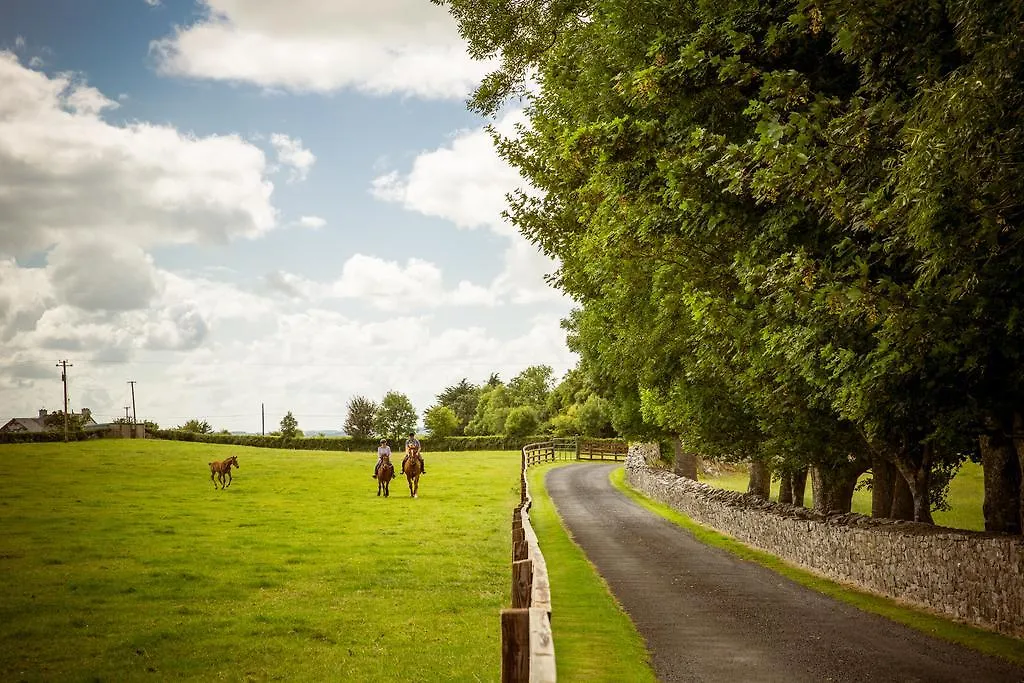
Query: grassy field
x=594 y=639
x=119 y=561
x=966 y=493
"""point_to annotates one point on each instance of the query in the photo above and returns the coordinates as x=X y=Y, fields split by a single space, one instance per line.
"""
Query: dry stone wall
x=973 y=577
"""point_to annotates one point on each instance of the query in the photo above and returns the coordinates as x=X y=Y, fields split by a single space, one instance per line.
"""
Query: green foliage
x=521 y=420
x=195 y=426
x=792 y=230
x=594 y=417
x=462 y=399
x=563 y=424
x=290 y=426
x=395 y=417
x=359 y=421
x=491 y=412
x=531 y=387
x=441 y=421
x=54 y=422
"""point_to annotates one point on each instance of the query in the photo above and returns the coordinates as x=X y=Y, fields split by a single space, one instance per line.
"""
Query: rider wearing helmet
x=382 y=450
x=412 y=450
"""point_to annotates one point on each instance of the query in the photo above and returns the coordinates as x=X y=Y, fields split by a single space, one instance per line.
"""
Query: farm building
x=44 y=422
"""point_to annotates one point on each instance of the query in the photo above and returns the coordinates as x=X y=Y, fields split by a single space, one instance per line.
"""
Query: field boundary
x=527 y=644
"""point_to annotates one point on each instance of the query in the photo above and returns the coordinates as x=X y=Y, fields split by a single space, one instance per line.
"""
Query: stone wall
x=969 y=576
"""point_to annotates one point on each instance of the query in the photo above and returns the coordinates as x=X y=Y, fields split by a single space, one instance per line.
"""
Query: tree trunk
x=1002 y=479
x=883 y=476
x=902 y=498
x=685 y=461
x=832 y=487
x=760 y=479
x=1018 y=443
x=786 y=487
x=917 y=473
x=799 y=486
x=890 y=495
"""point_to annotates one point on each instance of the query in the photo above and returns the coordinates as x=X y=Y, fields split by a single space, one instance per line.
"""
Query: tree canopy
x=792 y=229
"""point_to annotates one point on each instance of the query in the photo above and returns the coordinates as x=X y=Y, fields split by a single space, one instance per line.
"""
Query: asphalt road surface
x=709 y=616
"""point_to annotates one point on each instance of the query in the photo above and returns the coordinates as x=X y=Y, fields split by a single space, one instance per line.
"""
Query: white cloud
x=465 y=182
x=292 y=154
x=380 y=47
x=153 y=3
x=102 y=275
x=64 y=171
x=312 y=222
x=389 y=286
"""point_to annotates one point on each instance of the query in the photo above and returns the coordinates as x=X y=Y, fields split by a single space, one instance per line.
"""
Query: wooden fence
x=601 y=450
x=527 y=646
x=574 y=449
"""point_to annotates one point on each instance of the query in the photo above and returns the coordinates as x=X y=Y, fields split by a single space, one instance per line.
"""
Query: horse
x=384 y=475
x=219 y=468
x=412 y=473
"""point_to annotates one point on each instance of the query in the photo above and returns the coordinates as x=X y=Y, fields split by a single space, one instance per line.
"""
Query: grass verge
x=594 y=638
x=995 y=644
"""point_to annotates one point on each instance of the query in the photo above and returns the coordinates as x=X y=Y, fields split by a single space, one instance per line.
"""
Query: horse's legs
x=229 y=477
x=212 y=475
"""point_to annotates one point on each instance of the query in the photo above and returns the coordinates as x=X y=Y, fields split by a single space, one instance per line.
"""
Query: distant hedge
x=40 y=437
x=348 y=443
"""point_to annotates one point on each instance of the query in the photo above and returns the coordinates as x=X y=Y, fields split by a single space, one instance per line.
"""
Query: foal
x=219 y=468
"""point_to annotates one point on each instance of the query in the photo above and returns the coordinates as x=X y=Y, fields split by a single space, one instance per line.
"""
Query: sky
x=246 y=203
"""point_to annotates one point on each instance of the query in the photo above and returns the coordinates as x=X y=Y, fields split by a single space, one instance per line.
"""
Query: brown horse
x=220 y=468
x=384 y=475
x=411 y=468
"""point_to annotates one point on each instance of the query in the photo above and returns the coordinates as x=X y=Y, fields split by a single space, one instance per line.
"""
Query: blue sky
x=236 y=202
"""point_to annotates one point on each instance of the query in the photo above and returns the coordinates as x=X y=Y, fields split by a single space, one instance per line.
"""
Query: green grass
x=966 y=494
x=1008 y=648
x=594 y=639
x=119 y=561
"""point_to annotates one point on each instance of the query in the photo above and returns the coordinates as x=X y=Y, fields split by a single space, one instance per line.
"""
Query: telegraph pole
x=135 y=417
x=263 y=420
x=64 y=365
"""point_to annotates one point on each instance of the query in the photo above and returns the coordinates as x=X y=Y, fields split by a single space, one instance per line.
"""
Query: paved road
x=708 y=616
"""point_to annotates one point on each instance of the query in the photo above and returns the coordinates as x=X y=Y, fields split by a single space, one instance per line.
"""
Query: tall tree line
x=793 y=229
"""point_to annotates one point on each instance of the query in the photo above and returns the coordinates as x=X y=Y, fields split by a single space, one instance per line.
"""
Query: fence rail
x=527 y=646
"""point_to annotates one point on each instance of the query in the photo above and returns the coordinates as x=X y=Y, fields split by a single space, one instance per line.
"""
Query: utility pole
x=135 y=417
x=64 y=365
x=263 y=420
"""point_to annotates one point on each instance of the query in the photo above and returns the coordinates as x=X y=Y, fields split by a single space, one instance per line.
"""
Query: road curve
x=708 y=616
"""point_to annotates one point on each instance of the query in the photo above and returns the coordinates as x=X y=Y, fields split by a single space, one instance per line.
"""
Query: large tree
x=792 y=227
x=461 y=398
x=395 y=417
x=359 y=421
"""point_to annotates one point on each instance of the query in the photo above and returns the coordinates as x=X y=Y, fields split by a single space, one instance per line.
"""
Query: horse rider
x=382 y=450
x=412 y=450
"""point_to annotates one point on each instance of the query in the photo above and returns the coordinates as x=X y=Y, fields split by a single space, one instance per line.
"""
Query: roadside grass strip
x=120 y=561
x=1008 y=648
x=595 y=640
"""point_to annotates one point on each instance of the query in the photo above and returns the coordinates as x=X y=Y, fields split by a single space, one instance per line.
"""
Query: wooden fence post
x=515 y=645
x=522 y=583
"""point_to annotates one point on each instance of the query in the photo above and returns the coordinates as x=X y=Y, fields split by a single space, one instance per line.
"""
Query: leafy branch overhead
x=793 y=229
